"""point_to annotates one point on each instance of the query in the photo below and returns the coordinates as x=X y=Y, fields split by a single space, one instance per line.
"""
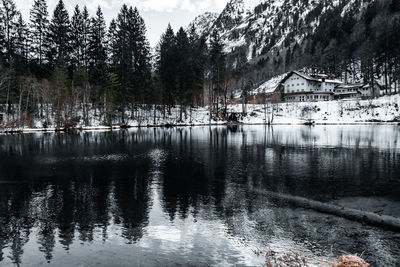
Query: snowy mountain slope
x=203 y=23
x=235 y=12
x=261 y=28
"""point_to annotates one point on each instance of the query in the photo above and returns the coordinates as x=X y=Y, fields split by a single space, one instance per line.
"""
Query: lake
x=196 y=196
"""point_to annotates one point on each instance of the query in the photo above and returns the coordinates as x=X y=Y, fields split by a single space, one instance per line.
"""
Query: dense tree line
x=71 y=68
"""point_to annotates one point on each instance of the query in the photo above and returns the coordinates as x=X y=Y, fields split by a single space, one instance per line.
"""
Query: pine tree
x=10 y=17
x=122 y=58
x=198 y=59
x=22 y=42
x=86 y=26
x=38 y=28
x=183 y=69
x=166 y=66
x=76 y=38
x=58 y=39
x=218 y=67
x=97 y=53
x=193 y=36
x=112 y=45
x=139 y=51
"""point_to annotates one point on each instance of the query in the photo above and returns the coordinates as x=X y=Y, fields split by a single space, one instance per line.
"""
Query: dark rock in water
x=309 y=123
x=233 y=117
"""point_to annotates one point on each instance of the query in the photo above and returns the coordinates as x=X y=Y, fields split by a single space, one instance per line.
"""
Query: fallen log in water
x=370 y=218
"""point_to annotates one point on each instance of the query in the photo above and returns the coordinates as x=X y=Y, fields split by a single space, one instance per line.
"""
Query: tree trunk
x=211 y=100
x=190 y=114
x=386 y=75
x=155 y=113
x=20 y=102
x=8 y=98
x=181 y=113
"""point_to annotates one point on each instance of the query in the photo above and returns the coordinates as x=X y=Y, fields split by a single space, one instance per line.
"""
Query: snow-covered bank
x=382 y=110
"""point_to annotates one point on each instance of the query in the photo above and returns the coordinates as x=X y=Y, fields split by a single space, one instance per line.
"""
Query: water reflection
x=191 y=195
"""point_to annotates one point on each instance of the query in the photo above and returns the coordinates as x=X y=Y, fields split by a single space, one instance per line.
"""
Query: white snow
x=270 y=85
x=384 y=109
x=203 y=23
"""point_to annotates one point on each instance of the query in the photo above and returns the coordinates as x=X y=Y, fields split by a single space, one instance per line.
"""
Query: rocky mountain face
x=257 y=29
x=203 y=23
x=263 y=38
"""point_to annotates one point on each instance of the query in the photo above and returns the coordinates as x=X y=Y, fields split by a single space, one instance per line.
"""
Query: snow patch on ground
x=384 y=109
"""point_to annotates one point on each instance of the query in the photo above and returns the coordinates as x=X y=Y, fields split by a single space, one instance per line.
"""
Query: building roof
x=350 y=85
x=334 y=81
x=347 y=93
x=305 y=76
x=310 y=78
x=380 y=86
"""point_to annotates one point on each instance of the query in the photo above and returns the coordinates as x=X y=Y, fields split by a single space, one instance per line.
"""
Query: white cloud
x=193 y=6
x=157 y=13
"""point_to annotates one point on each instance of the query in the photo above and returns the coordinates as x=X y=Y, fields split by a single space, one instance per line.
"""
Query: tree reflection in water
x=66 y=188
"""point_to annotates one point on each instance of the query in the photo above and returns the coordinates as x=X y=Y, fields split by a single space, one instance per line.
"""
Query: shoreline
x=119 y=127
x=380 y=111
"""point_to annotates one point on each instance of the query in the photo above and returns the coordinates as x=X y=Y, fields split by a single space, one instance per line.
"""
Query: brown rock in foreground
x=351 y=261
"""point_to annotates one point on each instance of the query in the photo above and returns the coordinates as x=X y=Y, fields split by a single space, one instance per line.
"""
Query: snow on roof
x=270 y=85
x=311 y=78
x=347 y=93
x=350 y=85
x=305 y=76
x=334 y=81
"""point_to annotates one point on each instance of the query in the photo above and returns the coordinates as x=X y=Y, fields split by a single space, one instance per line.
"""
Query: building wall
x=295 y=83
x=308 y=97
x=366 y=92
x=328 y=87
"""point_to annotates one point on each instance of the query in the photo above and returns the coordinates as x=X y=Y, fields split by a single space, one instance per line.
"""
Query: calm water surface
x=193 y=196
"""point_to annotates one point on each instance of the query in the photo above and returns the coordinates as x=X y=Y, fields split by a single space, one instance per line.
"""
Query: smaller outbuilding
x=349 y=91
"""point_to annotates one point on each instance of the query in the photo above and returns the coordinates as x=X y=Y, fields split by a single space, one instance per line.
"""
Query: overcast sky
x=156 y=13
